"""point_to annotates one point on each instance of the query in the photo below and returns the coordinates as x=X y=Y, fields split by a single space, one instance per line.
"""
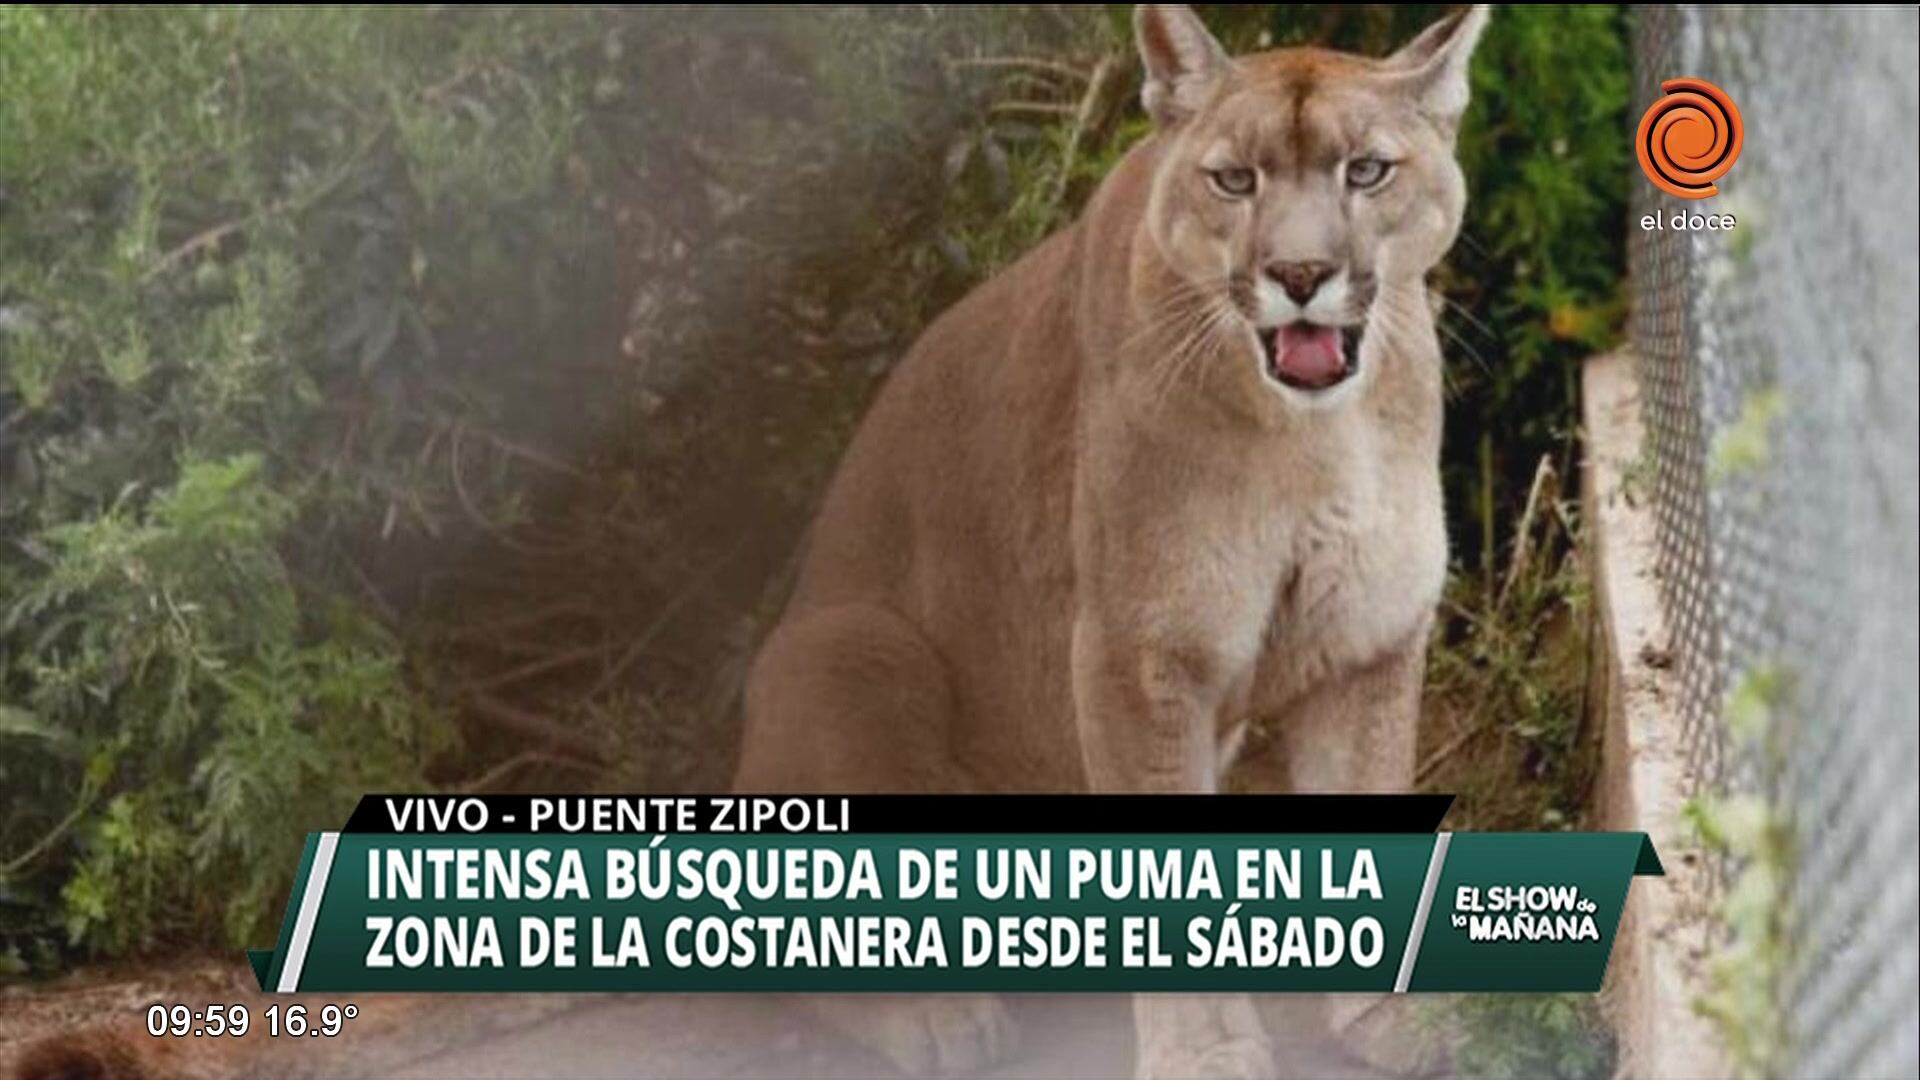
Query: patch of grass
x=1507 y=685
x=1506 y=732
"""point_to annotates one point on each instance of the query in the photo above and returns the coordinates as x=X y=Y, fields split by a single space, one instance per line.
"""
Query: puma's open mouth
x=1310 y=357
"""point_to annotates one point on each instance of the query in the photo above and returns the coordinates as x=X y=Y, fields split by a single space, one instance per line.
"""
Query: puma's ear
x=1182 y=60
x=1433 y=66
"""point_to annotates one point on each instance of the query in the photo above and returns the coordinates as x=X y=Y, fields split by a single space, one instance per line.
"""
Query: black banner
x=591 y=814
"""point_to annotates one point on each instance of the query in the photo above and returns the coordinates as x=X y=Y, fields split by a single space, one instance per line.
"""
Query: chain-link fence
x=1780 y=372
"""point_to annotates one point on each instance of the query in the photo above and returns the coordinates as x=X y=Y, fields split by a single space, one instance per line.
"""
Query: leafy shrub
x=368 y=374
x=1524 y=1036
x=201 y=263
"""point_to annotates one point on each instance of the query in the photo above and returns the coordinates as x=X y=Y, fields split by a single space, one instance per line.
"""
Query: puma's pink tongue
x=1309 y=354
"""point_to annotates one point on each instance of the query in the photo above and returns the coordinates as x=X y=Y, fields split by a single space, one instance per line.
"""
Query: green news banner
x=945 y=893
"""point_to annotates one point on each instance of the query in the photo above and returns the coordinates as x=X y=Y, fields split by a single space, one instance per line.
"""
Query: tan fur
x=1082 y=538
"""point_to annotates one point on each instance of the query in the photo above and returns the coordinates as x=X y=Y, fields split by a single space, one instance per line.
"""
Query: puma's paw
x=941 y=1035
x=1237 y=1057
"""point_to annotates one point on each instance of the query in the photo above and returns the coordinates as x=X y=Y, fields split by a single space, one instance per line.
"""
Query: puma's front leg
x=1148 y=710
x=1356 y=733
x=1149 y=715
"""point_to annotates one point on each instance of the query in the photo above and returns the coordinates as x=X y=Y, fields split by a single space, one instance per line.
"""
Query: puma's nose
x=1300 y=279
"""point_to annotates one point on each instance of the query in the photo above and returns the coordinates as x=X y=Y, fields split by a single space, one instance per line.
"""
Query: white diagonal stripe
x=309 y=910
x=1419 y=928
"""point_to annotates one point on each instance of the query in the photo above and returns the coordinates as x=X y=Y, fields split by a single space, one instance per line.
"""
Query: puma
x=1174 y=472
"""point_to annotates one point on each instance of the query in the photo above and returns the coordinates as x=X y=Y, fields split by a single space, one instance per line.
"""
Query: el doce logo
x=1689 y=138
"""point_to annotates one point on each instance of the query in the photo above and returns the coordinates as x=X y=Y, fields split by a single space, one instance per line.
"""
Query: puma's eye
x=1367 y=172
x=1234 y=181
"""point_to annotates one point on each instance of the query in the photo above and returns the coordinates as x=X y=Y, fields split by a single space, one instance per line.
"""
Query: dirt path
x=496 y=1037
x=409 y=1037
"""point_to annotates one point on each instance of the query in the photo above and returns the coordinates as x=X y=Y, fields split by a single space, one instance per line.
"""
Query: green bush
x=341 y=346
x=1523 y=1036
x=217 y=233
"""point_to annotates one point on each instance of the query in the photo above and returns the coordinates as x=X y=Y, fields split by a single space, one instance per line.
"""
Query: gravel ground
x=493 y=1037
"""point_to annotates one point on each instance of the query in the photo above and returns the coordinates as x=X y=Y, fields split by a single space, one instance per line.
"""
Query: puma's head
x=1295 y=184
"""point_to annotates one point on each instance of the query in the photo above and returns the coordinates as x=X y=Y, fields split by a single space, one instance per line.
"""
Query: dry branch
x=536 y=727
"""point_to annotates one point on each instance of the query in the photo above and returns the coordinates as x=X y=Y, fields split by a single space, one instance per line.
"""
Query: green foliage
x=1747 y=975
x=173 y=657
x=345 y=392
x=1522 y=1036
x=1745 y=446
x=1538 y=276
x=201 y=259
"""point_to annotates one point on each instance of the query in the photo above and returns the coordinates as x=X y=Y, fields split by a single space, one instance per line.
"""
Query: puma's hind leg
x=853 y=699
x=848 y=699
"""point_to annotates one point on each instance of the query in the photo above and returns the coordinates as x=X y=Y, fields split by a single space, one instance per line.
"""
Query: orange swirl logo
x=1689 y=138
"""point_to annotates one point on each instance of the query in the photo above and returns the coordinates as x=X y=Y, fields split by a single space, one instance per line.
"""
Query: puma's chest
x=1361 y=573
